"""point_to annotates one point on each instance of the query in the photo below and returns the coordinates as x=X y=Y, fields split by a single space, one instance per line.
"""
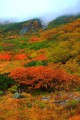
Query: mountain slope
x=20 y=28
x=33 y=25
x=62 y=20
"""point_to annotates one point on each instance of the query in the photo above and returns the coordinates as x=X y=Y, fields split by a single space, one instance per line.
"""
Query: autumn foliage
x=20 y=56
x=44 y=77
x=5 y=56
x=43 y=61
x=34 y=39
x=40 y=57
x=77 y=117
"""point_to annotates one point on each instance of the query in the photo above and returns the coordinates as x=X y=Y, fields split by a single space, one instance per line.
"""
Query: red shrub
x=40 y=57
x=8 y=44
x=34 y=39
x=5 y=57
x=20 y=57
x=41 y=76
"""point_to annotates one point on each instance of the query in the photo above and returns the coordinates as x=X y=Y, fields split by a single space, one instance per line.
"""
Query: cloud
x=44 y=9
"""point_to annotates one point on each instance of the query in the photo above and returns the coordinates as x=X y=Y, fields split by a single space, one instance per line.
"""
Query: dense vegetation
x=63 y=20
x=38 y=60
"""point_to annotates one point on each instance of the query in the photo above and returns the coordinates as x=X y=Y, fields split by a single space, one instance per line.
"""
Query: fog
x=47 y=10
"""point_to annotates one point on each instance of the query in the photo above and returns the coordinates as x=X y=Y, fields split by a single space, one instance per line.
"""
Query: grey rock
x=45 y=98
x=17 y=95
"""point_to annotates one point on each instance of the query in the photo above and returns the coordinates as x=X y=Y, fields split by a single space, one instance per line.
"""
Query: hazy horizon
x=47 y=10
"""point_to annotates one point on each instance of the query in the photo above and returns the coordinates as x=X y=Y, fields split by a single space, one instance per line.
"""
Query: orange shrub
x=34 y=39
x=5 y=56
x=43 y=76
x=77 y=117
x=49 y=34
x=40 y=57
x=20 y=56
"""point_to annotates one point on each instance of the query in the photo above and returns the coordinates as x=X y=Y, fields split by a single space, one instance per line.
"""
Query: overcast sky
x=45 y=9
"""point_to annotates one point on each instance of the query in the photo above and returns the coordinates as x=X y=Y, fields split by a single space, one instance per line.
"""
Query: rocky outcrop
x=32 y=25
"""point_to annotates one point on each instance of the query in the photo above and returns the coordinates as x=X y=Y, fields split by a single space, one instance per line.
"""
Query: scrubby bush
x=36 y=63
x=13 y=89
x=44 y=77
x=72 y=104
x=5 y=82
x=39 y=45
x=5 y=56
x=1 y=92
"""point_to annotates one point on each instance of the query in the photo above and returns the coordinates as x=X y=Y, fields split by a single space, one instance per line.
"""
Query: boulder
x=18 y=95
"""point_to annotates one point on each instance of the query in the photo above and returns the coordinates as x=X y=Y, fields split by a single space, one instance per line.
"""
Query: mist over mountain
x=46 y=10
x=7 y=20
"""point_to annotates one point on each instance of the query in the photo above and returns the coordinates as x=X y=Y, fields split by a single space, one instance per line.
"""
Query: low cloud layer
x=44 y=9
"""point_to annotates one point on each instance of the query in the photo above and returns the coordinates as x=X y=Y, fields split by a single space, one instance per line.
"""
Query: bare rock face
x=32 y=25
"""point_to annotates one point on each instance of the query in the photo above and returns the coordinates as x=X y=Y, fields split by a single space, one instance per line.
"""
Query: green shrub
x=1 y=48
x=77 y=89
x=32 y=63
x=1 y=92
x=39 y=45
x=43 y=63
x=72 y=104
x=42 y=105
x=13 y=89
x=36 y=63
x=33 y=55
x=5 y=82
